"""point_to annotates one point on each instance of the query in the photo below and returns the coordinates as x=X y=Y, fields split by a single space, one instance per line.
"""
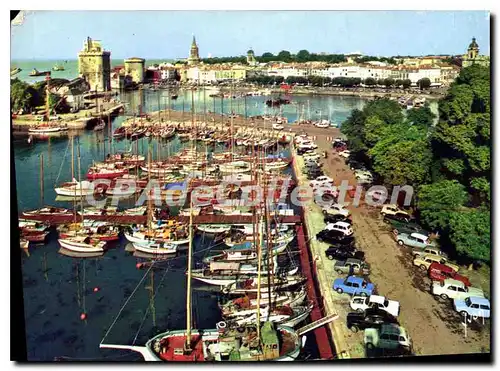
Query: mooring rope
x=149 y=306
x=62 y=162
x=126 y=302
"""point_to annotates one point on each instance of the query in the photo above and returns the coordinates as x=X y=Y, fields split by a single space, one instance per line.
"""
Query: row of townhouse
x=438 y=74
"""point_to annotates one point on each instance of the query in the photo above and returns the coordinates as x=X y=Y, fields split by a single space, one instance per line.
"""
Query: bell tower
x=473 y=50
x=194 y=57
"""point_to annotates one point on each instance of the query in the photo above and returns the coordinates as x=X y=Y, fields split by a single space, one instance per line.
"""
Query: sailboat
x=251 y=342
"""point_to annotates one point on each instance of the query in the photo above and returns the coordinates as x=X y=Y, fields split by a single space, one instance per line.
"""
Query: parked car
x=388 y=336
x=361 y=303
x=398 y=216
x=302 y=151
x=372 y=318
x=352 y=266
x=391 y=210
x=321 y=180
x=440 y=272
x=353 y=285
x=408 y=228
x=343 y=227
x=453 y=289
x=345 y=153
x=336 y=218
x=336 y=209
x=425 y=261
x=431 y=250
x=336 y=252
x=473 y=306
x=311 y=156
x=413 y=240
x=335 y=237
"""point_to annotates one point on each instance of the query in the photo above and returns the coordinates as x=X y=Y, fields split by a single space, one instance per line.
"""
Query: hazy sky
x=168 y=34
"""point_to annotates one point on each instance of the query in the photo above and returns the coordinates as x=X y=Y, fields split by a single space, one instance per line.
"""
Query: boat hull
x=79 y=247
x=151 y=249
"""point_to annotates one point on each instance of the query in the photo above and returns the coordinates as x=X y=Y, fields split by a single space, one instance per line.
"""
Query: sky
x=168 y=34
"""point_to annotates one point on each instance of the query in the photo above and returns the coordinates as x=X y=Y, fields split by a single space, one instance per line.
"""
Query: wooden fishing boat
x=105 y=173
x=38 y=237
x=77 y=189
x=47 y=210
x=280 y=316
x=138 y=133
x=250 y=285
x=46 y=129
x=106 y=210
x=82 y=244
x=145 y=237
x=156 y=248
x=31 y=226
x=279 y=343
x=140 y=210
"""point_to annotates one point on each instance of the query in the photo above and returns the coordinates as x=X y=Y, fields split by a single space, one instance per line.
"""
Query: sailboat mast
x=259 y=273
x=41 y=179
x=79 y=180
x=187 y=345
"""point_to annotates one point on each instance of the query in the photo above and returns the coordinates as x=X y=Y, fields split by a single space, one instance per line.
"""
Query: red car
x=440 y=272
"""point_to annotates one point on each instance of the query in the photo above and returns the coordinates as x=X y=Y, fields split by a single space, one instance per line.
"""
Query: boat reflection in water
x=74 y=254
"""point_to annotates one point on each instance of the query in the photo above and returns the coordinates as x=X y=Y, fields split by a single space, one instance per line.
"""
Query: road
x=433 y=325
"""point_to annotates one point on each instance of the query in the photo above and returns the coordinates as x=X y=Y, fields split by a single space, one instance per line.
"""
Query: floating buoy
x=96 y=289
x=138 y=265
x=83 y=316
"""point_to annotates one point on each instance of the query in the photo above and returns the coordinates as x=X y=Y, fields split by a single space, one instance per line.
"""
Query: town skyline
x=29 y=37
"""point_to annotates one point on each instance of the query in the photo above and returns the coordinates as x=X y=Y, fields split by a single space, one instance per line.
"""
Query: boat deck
x=173 y=346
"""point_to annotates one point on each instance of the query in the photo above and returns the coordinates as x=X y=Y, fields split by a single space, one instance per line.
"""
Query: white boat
x=214 y=228
x=140 y=238
x=140 y=210
x=156 y=248
x=41 y=129
x=283 y=316
x=250 y=285
x=82 y=244
x=106 y=210
x=235 y=167
x=237 y=178
x=76 y=189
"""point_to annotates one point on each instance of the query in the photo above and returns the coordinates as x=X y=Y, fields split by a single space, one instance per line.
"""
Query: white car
x=322 y=124
x=307 y=145
x=454 y=289
x=336 y=209
x=362 y=303
x=321 y=180
x=388 y=336
x=278 y=127
x=345 y=153
x=302 y=138
x=392 y=210
x=340 y=226
x=311 y=156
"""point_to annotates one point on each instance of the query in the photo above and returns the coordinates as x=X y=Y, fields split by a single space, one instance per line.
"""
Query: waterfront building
x=194 y=56
x=473 y=57
x=94 y=65
x=73 y=92
x=134 y=67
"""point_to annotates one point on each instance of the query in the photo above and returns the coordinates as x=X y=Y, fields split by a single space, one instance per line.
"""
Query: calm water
x=57 y=288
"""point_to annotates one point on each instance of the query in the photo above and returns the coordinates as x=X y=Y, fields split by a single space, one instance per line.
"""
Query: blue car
x=353 y=285
x=473 y=306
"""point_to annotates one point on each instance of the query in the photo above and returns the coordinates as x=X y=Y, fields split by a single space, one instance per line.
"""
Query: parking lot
x=432 y=323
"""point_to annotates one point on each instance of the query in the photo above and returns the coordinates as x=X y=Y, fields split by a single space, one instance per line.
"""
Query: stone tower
x=134 y=67
x=473 y=50
x=194 y=57
x=251 y=58
x=94 y=65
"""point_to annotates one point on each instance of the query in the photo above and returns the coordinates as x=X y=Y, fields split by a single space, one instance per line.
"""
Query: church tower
x=251 y=58
x=473 y=50
x=194 y=57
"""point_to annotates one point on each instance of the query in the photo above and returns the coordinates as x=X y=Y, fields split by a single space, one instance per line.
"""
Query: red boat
x=104 y=173
x=35 y=236
x=119 y=132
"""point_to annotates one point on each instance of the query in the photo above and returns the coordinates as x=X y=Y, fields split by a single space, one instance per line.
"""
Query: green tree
x=424 y=83
x=438 y=201
x=398 y=83
x=22 y=96
x=401 y=155
x=370 y=81
x=406 y=83
x=284 y=56
x=462 y=137
x=303 y=56
x=389 y=82
x=422 y=116
x=469 y=231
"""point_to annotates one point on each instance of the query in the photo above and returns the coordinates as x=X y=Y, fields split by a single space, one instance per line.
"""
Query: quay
x=142 y=219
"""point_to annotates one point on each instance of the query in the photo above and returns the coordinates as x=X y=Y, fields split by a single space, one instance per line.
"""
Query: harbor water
x=58 y=289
